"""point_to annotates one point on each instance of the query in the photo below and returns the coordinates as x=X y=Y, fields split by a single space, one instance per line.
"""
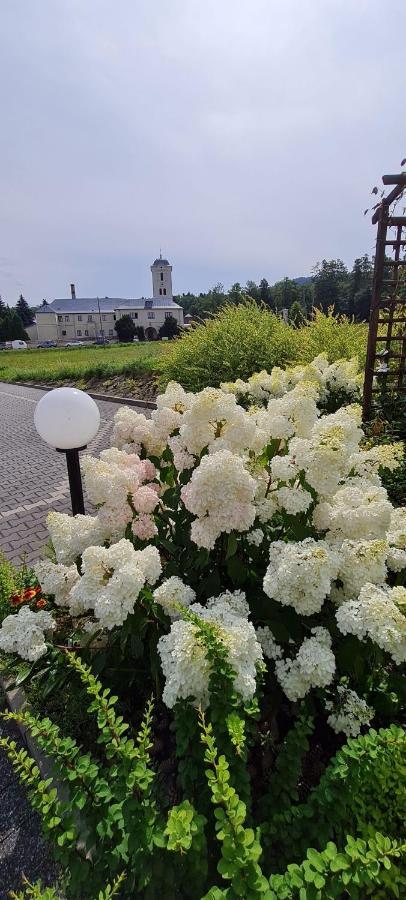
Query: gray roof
x=161 y=262
x=107 y=304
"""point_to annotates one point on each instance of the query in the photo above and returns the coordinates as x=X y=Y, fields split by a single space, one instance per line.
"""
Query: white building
x=88 y=318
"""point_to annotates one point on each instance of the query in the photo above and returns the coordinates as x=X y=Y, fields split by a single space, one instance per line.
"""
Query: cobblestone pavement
x=33 y=476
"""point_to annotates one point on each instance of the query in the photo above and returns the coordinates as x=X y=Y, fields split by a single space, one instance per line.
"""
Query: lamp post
x=67 y=419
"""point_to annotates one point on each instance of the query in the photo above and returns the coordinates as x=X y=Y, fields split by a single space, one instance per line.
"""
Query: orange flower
x=16 y=599
x=41 y=603
x=30 y=593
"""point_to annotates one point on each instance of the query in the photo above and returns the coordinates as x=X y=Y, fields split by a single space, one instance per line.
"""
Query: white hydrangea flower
x=368 y=462
x=173 y=590
x=376 y=615
x=283 y=468
x=255 y=537
x=183 y=655
x=24 y=633
x=361 y=562
x=181 y=458
x=313 y=667
x=349 y=712
x=269 y=646
x=220 y=493
x=216 y=421
x=56 y=579
x=358 y=510
x=70 y=535
x=300 y=574
x=112 y=580
x=175 y=398
x=294 y=499
x=396 y=537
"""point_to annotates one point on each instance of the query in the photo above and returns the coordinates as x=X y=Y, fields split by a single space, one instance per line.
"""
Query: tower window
x=162 y=276
x=165 y=291
x=160 y=290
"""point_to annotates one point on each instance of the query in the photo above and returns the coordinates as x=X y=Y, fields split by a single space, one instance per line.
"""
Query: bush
x=243 y=339
x=111 y=825
x=337 y=336
x=234 y=344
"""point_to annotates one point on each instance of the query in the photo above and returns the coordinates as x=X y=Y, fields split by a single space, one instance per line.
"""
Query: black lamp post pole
x=75 y=480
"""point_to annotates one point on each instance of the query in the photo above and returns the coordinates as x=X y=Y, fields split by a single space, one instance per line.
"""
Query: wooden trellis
x=385 y=368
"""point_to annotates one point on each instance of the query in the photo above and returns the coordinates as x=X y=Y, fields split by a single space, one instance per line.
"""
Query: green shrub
x=337 y=336
x=10 y=583
x=244 y=339
x=238 y=341
x=111 y=826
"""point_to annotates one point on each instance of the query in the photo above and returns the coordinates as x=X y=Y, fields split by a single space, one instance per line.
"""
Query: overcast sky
x=241 y=136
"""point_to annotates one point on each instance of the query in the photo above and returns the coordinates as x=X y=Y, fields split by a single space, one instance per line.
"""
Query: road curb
x=109 y=398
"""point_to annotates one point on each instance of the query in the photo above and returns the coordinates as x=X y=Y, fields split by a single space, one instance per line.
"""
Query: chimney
x=73 y=291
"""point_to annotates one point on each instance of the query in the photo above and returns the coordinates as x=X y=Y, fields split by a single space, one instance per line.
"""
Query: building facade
x=90 y=318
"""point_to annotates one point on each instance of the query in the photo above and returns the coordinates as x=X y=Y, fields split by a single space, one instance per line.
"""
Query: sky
x=243 y=137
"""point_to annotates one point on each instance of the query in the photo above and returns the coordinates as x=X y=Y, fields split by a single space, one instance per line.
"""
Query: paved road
x=33 y=476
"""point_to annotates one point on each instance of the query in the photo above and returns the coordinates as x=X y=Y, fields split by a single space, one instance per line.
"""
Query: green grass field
x=82 y=363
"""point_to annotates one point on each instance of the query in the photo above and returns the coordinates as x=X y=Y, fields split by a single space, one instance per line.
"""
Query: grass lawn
x=81 y=363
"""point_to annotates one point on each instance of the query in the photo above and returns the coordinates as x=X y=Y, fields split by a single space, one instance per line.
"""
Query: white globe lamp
x=68 y=419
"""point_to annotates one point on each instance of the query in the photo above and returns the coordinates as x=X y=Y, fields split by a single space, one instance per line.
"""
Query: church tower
x=161 y=279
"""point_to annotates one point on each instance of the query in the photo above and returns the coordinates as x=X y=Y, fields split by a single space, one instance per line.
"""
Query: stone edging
x=111 y=398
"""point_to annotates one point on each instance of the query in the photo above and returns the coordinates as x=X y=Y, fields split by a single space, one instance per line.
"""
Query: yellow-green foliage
x=335 y=335
x=10 y=582
x=244 y=339
x=238 y=341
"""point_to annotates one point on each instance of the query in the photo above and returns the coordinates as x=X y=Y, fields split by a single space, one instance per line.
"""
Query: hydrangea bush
x=244 y=560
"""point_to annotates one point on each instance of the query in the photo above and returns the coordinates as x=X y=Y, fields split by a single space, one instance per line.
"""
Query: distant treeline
x=332 y=284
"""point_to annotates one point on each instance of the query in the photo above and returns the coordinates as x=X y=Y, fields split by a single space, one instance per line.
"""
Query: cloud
x=243 y=138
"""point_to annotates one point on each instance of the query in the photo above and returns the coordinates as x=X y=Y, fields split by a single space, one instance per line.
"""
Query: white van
x=18 y=345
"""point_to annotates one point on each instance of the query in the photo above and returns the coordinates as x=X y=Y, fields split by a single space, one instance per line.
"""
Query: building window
x=104 y=317
x=151 y=315
x=160 y=290
x=86 y=333
x=111 y=332
x=165 y=291
x=134 y=315
x=79 y=318
x=79 y=333
x=162 y=276
x=168 y=315
x=66 y=318
x=64 y=332
x=60 y=318
x=90 y=318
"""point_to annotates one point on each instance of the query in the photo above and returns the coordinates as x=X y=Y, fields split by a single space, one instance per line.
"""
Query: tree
x=331 y=285
x=236 y=293
x=265 y=293
x=125 y=329
x=2 y=306
x=170 y=328
x=11 y=327
x=252 y=290
x=285 y=293
x=360 y=288
x=24 y=311
x=297 y=315
x=139 y=333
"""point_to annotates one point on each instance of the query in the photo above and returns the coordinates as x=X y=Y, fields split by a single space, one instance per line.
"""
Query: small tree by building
x=170 y=328
x=139 y=333
x=297 y=315
x=11 y=327
x=125 y=329
x=24 y=311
